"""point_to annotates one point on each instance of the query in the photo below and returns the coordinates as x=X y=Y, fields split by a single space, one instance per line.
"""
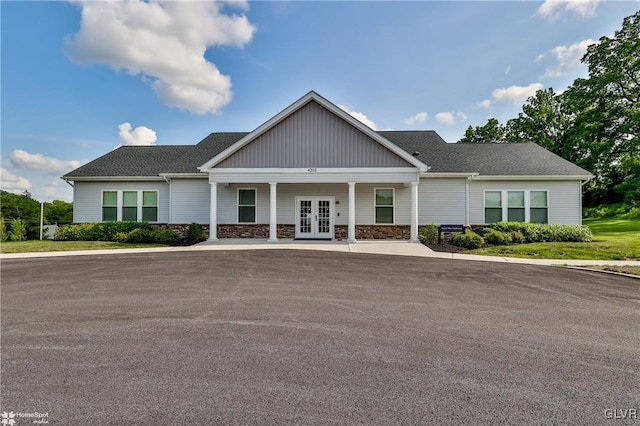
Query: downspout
x=466 y=201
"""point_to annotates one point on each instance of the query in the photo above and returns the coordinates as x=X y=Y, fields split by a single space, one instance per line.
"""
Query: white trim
x=114 y=178
x=447 y=175
x=255 y=205
x=351 y=219
x=414 y=213
x=504 y=200
x=314 y=170
x=282 y=115
x=184 y=175
x=532 y=177
x=319 y=175
x=375 y=222
x=273 y=212
x=120 y=204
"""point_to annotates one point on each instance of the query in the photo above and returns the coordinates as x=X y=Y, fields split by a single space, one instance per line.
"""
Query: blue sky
x=81 y=78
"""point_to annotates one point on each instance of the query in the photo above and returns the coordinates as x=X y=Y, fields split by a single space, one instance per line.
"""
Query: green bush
x=4 y=235
x=139 y=235
x=480 y=230
x=98 y=231
x=429 y=234
x=164 y=236
x=470 y=240
x=18 y=230
x=498 y=238
x=630 y=211
x=517 y=237
x=121 y=237
x=109 y=229
x=195 y=233
x=543 y=233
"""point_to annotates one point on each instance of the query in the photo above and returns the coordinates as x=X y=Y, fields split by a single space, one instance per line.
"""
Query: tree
x=18 y=230
x=59 y=212
x=606 y=107
x=492 y=132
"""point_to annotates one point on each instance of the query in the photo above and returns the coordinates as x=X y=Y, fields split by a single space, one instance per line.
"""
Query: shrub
x=164 y=236
x=139 y=235
x=542 y=233
x=3 y=230
x=517 y=237
x=480 y=230
x=610 y=210
x=81 y=232
x=498 y=238
x=195 y=233
x=470 y=240
x=18 y=230
x=121 y=237
x=429 y=234
x=109 y=229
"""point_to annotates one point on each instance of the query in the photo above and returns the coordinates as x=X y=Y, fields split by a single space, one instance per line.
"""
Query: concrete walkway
x=399 y=248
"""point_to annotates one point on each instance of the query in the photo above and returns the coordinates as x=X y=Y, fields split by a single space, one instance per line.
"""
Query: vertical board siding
x=190 y=200
x=441 y=201
x=87 y=198
x=313 y=137
x=563 y=198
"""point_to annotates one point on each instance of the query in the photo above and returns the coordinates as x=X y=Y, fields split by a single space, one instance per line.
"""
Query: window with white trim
x=130 y=206
x=516 y=206
x=150 y=206
x=492 y=206
x=539 y=210
x=246 y=205
x=384 y=205
x=109 y=206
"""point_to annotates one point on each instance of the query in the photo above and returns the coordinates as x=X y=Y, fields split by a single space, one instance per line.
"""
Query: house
x=315 y=172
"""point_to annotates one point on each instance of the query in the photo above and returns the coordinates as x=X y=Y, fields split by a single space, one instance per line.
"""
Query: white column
x=273 y=221
x=213 y=212
x=351 y=224
x=414 y=212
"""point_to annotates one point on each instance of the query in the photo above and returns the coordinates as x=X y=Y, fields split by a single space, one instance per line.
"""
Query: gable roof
x=296 y=106
x=517 y=159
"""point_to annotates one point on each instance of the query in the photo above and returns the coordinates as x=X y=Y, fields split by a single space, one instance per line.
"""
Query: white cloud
x=141 y=135
x=23 y=160
x=13 y=183
x=552 y=9
x=165 y=43
x=416 y=118
x=516 y=94
x=507 y=70
x=485 y=104
x=567 y=57
x=450 y=117
x=359 y=116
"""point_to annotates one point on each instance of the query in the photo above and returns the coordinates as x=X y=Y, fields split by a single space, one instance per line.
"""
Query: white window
x=539 y=210
x=246 y=205
x=384 y=205
x=109 y=206
x=130 y=206
x=516 y=206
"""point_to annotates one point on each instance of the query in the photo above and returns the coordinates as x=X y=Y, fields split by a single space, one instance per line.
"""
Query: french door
x=314 y=217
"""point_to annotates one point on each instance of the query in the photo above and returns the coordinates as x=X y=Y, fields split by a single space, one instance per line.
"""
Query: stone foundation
x=363 y=232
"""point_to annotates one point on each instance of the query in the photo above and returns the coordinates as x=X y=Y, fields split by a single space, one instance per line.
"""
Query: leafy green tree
x=492 y=132
x=606 y=107
x=18 y=230
x=59 y=212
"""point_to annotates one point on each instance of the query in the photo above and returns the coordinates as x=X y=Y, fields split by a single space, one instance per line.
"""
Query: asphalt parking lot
x=286 y=336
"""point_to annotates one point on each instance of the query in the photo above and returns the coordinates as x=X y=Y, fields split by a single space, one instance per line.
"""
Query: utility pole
x=41 y=217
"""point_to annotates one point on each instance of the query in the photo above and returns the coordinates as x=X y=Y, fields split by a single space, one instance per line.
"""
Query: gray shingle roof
x=487 y=159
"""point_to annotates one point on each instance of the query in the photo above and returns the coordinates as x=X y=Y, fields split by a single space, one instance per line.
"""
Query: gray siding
x=87 y=198
x=564 y=198
x=190 y=200
x=441 y=201
x=313 y=137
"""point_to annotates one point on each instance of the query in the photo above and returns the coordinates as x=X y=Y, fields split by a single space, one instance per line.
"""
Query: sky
x=81 y=78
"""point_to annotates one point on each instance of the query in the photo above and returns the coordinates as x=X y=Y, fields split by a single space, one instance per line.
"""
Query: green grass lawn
x=613 y=239
x=49 y=245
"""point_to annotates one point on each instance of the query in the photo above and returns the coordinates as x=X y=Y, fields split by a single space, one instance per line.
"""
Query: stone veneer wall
x=363 y=232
